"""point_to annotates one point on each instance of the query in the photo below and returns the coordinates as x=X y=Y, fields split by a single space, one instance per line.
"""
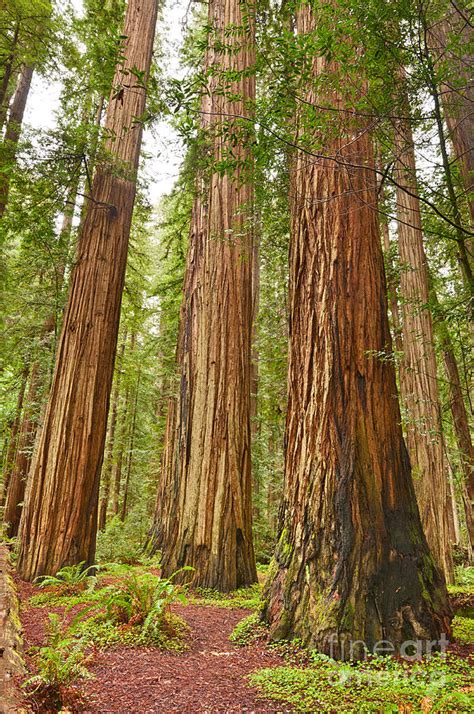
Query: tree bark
x=352 y=563
x=457 y=91
x=13 y=441
x=461 y=428
x=59 y=523
x=420 y=392
x=124 y=508
x=204 y=511
x=12 y=134
x=7 y=75
x=26 y=441
x=107 y=475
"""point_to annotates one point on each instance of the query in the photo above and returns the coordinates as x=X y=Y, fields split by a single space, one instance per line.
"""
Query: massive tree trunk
x=352 y=562
x=203 y=516
x=12 y=133
x=59 y=522
x=420 y=393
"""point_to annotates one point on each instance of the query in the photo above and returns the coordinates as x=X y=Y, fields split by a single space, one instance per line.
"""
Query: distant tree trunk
x=254 y=374
x=352 y=562
x=461 y=428
x=26 y=441
x=59 y=523
x=107 y=475
x=12 y=133
x=392 y=287
x=7 y=75
x=204 y=509
x=117 y=474
x=13 y=441
x=458 y=92
x=124 y=509
x=420 y=393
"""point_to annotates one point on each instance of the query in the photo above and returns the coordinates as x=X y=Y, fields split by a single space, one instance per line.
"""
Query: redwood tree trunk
x=107 y=475
x=352 y=562
x=26 y=440
x=59 y=522
x=12 y=133
x=419 y=385
x=13 y=441
x=458 y=93
x=203 y=515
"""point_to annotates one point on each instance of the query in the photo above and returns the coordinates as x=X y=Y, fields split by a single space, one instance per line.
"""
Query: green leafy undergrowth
x=248 y=630
x=59 y=664
x=463 y=629
x=439 y=684
x=70 y=580
x=135 y=610
x=247 y=598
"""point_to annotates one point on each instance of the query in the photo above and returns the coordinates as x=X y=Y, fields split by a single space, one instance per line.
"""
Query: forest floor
x=211 y=674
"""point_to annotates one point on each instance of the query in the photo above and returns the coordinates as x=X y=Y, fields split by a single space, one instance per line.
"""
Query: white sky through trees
x=162 y=147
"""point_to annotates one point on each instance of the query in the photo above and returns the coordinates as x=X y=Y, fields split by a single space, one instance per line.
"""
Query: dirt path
x=207 y=678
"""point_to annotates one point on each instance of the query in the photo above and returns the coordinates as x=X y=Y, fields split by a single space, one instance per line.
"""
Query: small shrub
x=463 y=629
x=122 y=541
x=135 y=610
x=248 y=630
x=246 y=598
x=70 y=580
x=59 y=664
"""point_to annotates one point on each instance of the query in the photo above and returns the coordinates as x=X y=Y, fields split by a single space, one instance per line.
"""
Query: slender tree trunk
x=124 y=509
x=7 y=75
x=352 y=563
x=393 y=295
x=117 y=475
x=457 y=92
x=13 y=441
x=12 y=133
x=26 y=441
x=59 y=523
x=254 y=427
x=420 y=393
x=204 y=510
x=107 y=475
x=461 y=427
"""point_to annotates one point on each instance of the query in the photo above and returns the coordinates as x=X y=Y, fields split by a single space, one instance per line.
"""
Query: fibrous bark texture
x=12 y=134
x=419 y=381
x=59 y=522
x=203 y=516
x=352 y=563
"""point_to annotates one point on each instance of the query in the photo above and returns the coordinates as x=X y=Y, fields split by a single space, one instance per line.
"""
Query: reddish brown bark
x=352 y=562
x=13 y=130
x=107 y=474
x=65 y=473
x=21 y=466
x=13 y=441
x=203 y=516
x=419 y=382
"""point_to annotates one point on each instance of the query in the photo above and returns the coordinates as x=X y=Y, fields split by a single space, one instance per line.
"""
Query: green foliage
x=120 y=542
x=463 y=629
x=59 y=664
x=69 y=580
x=246 y=598
x=441 y=683
x=248 y=630
x=135 y=609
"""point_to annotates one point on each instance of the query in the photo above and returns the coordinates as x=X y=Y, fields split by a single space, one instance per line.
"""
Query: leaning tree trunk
x=352 y=562
x=59 y=521
x=419 y=386
x=204 y=517
x=7 y=75
x=12 y=134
